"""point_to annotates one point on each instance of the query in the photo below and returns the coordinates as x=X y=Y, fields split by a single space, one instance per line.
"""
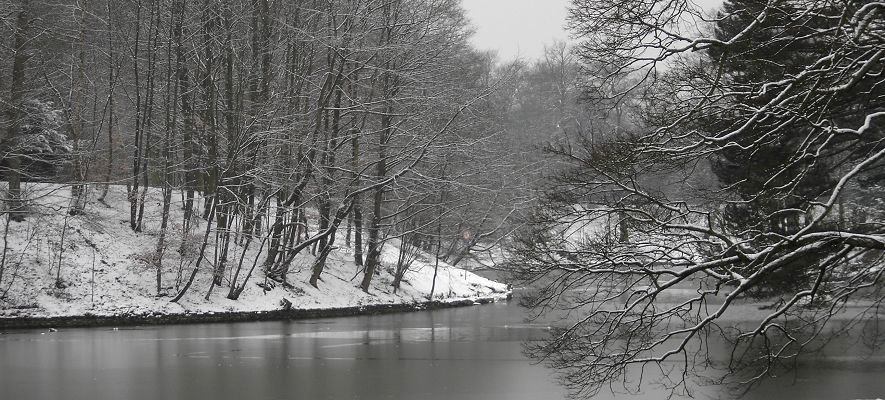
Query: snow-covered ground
x=105 y=267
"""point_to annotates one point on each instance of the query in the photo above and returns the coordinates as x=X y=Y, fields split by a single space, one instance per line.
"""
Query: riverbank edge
x=88 y=321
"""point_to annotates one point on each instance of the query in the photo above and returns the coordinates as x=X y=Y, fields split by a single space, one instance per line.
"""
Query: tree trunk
x=152 y=61
x=17 y=87
x=400 y=264
x=623 y=227
x=212 y=170
x=139 y=125
x=190 y=279
x=171 y=121
x=438 y=250
x=75 y=119
x=111 y=85
x=187 y=137
x=320 y=263
x=374 y=245
x=357 y=204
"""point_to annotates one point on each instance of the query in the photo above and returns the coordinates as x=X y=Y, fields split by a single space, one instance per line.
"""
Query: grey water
x=462 y=353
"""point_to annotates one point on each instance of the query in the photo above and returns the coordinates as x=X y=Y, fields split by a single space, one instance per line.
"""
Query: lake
x=461 y=353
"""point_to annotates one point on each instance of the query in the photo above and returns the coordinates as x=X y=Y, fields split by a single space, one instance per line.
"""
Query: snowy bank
x=93 y=269
x=237 y=316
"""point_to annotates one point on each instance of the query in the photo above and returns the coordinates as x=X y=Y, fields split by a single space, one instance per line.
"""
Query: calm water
x=465 y=353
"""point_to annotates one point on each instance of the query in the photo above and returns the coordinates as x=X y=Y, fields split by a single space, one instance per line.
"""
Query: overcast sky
x=517 y=27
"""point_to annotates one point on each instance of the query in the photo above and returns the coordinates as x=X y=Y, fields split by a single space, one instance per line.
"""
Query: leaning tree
x=742 y=166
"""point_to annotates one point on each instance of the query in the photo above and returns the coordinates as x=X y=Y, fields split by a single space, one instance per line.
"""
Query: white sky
x=517 y=28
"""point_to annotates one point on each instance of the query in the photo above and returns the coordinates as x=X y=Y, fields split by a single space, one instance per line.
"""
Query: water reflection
x=471 y=353
x=467 y=353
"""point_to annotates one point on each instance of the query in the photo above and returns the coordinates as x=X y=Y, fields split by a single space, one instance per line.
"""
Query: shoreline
x=93 y=321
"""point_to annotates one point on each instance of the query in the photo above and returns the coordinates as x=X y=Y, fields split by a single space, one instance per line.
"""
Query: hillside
x=94 y=264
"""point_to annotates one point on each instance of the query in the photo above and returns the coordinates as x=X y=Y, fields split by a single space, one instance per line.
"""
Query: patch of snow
x=105 y=268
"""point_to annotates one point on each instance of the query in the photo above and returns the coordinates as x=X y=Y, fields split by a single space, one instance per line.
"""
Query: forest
x=246 y=138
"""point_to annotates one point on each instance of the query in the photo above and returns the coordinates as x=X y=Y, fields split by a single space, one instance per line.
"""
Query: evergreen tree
x=763 y=159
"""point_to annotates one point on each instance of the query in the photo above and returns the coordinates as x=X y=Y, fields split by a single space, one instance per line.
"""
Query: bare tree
x=775 y=92
x=250 y=114
x=13 y=110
